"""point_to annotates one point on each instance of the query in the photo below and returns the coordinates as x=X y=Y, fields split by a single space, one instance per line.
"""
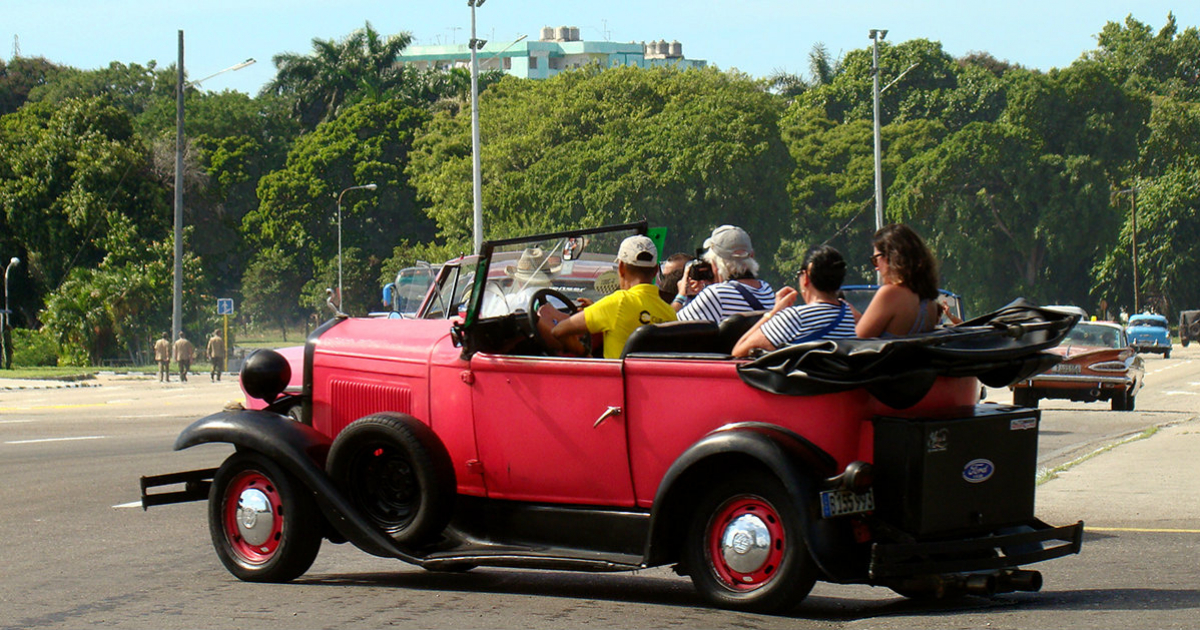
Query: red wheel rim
x=727 y=523
x=252 y=553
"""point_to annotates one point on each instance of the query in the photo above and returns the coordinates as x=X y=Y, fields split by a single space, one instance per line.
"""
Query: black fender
x=301 y=450
x=798 y=463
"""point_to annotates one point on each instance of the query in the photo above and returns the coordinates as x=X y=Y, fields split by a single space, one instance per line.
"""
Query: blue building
x=558 y=49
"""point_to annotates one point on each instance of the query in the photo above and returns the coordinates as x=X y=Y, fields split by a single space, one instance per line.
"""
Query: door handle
x=611 y=411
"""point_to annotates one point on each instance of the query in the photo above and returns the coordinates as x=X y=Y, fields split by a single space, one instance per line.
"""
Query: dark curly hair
x=909 y=259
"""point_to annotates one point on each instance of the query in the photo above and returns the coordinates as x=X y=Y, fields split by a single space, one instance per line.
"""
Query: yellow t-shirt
x=619 y=314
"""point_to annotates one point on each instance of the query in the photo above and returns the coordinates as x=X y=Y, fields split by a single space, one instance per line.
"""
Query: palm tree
x=320 y=84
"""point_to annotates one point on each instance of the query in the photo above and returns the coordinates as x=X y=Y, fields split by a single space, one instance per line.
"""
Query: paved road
x=76 y=554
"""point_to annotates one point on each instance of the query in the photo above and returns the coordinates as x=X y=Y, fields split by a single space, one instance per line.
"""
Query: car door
x=551 y=429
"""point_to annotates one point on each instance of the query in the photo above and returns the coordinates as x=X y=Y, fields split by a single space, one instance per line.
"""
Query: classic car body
x=1098 y=365
x=1189 y=327
x=1148 y=332
x=453 y=441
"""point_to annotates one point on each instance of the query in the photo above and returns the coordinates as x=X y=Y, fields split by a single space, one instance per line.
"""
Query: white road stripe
x=65 y=439
x=132 y=504
x=15 y=421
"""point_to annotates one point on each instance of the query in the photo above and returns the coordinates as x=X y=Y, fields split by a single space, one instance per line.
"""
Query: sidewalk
x=98 y=380
x=1151 y=483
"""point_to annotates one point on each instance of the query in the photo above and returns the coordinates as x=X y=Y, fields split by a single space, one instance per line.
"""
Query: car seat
x=698 y=337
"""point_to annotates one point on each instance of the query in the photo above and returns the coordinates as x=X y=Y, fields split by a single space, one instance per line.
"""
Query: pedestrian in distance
x=162 y=356
x=216 y=354
x=184 y=353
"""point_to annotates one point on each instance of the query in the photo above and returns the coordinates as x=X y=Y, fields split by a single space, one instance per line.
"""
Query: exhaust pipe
x=982 y=584
x=1020 y=580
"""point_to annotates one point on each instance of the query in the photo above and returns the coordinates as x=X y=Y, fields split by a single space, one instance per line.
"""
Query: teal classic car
x=1148 y=332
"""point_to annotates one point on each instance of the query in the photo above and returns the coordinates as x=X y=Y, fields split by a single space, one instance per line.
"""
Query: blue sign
x=224 y=306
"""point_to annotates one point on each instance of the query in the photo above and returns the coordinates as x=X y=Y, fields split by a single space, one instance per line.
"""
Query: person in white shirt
x=822 y=315
x=737 y=288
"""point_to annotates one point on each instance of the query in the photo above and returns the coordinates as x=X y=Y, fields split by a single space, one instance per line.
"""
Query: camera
x=699 y=269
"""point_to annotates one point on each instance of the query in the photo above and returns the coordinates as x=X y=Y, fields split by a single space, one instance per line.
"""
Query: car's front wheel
x=1120 y=401
x=745 y=548
x=265 y=525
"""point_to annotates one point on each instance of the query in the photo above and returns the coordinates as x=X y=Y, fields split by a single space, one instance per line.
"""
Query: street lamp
x=476 y=177
x=339 y=218
x=180 y=85
x=877 y=36
x=4 y=316
x=1132 y=192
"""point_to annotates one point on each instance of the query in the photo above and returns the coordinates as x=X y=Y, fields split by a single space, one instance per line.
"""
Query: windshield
x=1145 y=320
x=580 y=264
x=1098 y=335
x=411 y=286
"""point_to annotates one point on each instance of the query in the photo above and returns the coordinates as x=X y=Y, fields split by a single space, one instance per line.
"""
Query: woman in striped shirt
x=737 y=289
x=821 y=316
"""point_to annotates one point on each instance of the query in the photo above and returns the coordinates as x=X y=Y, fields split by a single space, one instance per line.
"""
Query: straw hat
x=532 y=262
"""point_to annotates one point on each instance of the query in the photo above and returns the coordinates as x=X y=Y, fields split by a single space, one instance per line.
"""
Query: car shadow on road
x=668 y=591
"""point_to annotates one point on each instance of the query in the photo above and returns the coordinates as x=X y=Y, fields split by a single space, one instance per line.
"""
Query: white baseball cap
x=638 y=251
x=730 y=241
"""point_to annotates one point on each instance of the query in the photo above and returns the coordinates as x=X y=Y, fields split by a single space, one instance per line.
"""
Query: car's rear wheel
x=1025 y=398
x=265 y=525
x=396 y=470
x=745 y=549
x=1130 y=400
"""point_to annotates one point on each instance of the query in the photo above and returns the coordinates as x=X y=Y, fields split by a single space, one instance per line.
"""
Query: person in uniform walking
x=162 y=356
x=184 y=353
x=216 y=354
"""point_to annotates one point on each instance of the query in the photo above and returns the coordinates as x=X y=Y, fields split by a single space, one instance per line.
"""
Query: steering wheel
x=540 y=298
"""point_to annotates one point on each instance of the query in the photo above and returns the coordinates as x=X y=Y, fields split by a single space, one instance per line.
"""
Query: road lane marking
x=15 y=421
x=1176 y=392
x=1143 y=530
x=63 y=439
x=131 y=504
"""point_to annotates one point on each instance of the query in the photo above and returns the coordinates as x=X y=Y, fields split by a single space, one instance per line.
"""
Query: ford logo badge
x=978 y=470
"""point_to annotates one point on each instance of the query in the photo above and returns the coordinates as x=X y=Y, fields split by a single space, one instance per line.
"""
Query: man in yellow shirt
x=620 y=313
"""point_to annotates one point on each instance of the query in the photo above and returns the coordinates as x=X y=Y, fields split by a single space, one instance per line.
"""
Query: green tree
x=369 y=143
x=272 y=288
x=1165 y=63
x=69 y=174
x=20 y=76
x=319 y=84
x=686 y=150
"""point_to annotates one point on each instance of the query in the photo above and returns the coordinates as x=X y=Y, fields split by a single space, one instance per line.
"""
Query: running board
x=196 y=484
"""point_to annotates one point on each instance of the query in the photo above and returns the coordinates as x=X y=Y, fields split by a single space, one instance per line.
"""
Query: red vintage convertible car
x=455 y=440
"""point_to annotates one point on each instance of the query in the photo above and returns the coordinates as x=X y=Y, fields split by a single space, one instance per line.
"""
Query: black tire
x=296 y=413
x=1120 y=401
x=264 y=523
x=1025 y=398
x=396 y=470
x=1166 y=354
x=1130 y=401
x=771 y=580
x=1185 y=341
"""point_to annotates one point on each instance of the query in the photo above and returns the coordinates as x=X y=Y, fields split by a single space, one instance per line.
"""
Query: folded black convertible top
x=999 y=348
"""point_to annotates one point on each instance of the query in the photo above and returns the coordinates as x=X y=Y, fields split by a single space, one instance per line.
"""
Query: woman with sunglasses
x=907 y=300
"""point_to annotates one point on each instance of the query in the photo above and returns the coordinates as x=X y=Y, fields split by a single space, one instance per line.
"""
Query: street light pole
x=476 y=175
x=339 y=221
x=4 y=318
x=877 y=36
x=1132 y=192
x=180 y=86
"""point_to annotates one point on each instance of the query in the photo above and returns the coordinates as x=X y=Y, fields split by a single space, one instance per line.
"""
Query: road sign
x=224 y=306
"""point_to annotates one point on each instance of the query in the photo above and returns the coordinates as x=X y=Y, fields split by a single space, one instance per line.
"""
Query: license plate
x=842 y=502
x=1067 y=368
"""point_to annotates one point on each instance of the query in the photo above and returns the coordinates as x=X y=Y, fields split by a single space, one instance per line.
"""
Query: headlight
x=1109 y=366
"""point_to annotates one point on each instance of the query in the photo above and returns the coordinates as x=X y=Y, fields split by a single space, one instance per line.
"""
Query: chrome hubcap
x=255 y=519
x=746 y=543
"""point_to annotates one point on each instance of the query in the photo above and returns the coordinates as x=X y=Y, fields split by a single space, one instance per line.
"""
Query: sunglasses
x=875 y=259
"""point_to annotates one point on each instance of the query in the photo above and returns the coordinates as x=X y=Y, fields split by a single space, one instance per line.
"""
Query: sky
x=758 y=37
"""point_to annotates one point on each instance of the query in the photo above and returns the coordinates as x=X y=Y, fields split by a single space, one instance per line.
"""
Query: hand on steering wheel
x=541 y=323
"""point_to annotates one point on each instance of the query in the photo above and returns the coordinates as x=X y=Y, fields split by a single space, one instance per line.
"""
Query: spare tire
x=395 y=469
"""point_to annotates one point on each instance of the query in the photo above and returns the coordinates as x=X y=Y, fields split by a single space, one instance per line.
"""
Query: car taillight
x=1108 y=366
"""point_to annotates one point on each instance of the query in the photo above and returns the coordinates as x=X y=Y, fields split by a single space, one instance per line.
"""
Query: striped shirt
x=718 y=301
x=797 y=324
